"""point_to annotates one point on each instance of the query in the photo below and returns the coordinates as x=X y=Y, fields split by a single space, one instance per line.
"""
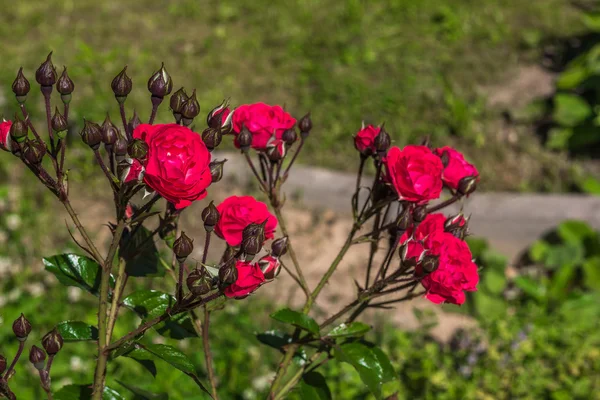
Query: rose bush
x=239 y=212
x=177 y=164
x=263 y=121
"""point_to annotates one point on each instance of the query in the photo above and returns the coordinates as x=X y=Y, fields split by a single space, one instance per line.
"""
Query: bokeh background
x=513 y=84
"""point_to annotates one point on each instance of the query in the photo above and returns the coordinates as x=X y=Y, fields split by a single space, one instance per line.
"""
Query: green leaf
x=74 y=331
x=570 y=109
x=558 y=138
x=566 y=254
x=147 y=262
x=574 y=231
x=388 y=372
x=531 y=288
x=589 y=184
x=353 y=329
x=76 y=270
x=274 y=338
x=370 y=365
x=84 y=392
x=561 y=280
x=143 y=394
x=313 y=386
x=172 y=356
x=494 y=281
x=296 y=318
x=591 y=272
x=539 y=250
x=488 y=307
x=591 y=21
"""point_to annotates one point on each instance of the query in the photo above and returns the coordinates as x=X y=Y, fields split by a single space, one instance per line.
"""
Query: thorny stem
x=180 y=282
x=11 y=368
x=291 y=273
x=207 y=353
x=111 y=178
x=82 y=231
x=116 y=299
x=155 y=103
x=374 y=246
x=443 y=204
x=206 y=246
x=253 y=168
x=145 y=207
x=124 y=119
x=291 y=164
x=45 y=382
x=29 y=123
x=291 y=252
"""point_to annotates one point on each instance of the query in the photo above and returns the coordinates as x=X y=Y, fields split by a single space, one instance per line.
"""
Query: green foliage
x=296 y=318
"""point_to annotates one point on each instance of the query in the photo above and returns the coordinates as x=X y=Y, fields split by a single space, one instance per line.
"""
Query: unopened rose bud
x=210 y=217
x=59 y=124
x=198 y=282
x=134 y=122
x=121 y=85
x=305 y=125
x=46 y=73
x=405 y=219
x=21 y=328
x=190 y=109
x=37 y=357
x=65 y=86
x=34 y=151
x=216 y=170
x=244 y=139
x=110 y=133
x=289 y=136
x=176 y=103
x=445 y=157
x=160 y=83
x=457 y=226
x=217 y=117
x=19 y=130
x=138 y=149
x=228 y=274
x=426 y=141
x=212 y=138
x=120 y=147
x=270 y=266
x=467 y=185
x=420 y=213
x=382 y=142
x=52 y=342
x=276 y=150
x=21 y=87
x=279 y=246
x=253 y=237
x=91 y=134
x=183 y=247
x=430 y=263
x=2 y=364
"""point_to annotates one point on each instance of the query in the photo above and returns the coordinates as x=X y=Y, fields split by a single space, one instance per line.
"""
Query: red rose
x=432 y=223
x=415 y=172
x=263 y=121
x=456 y=272
x=239 y=212
x=457 y=167
x=177 y=163
x=5 y=140
x=270 y=266
x=249 y=278
x=364 y=141
x=134 y=171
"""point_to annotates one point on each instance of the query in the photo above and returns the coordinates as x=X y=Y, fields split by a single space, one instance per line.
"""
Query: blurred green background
x=425 y=67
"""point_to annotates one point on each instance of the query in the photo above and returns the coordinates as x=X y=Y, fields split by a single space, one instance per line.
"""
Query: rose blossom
x=177 y=165
x=134 y=172
x=457 y=167
x=432 y=223
x=270 y=266
x=249 y=278
x=364 y=141
x=415 y=172
x=239 y=212
x=5 y=140
x=263 y=121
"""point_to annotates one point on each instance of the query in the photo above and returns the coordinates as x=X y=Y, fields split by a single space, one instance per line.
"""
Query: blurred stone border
x=510 y=221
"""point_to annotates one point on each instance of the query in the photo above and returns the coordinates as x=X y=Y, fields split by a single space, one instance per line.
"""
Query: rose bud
x=5 y=140
x=137 y=149
x=21 y=87
x=210 y=217
x=457 y=226
x=445 y=157
x=405 y=219
x=2 y=364
x=218 y=116
x=120 y=147
x=426 y=141
x=160 y=83
x=110 y=133
x=467 y=185
x=37 y=357
x=216 y=170
x=46 y=73
x=276 y=150
x=34 y=151
x=21 y=328
x=289 y=136
x=419 y=213
x=91 y=134
x=19 y=130
x=305 y=125
x=183 y=247
x=382 y=142
x=52 y=342
x=279 y=246
x=253 y=238
x=121 y=85
x=134 y=122
x=176 y=103
x=190 y=109
x=198 y=282
x=212 y=138
x=228 y=274
x=270 y=266
x=430 y=263
x=65 y=86
x=244 y=139
x=59 y=124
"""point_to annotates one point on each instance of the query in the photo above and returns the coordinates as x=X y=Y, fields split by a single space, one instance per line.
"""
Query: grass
x=417 y=65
